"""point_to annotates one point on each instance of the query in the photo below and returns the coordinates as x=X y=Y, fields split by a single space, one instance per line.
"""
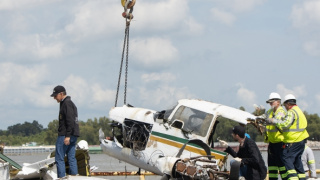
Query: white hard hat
x=289 y=97
x=83 y=145
x=273 y=96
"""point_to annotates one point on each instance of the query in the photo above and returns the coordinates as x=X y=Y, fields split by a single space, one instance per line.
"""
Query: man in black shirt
x=252 y=164
x=68 y=132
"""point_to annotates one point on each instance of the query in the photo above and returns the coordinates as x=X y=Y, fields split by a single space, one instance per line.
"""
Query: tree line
x=19 y=134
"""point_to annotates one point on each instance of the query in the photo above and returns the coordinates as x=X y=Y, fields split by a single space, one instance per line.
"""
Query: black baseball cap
x=58 y=89
x=240 y=130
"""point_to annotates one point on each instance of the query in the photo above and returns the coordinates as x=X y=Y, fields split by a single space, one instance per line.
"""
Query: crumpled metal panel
x=140 y=114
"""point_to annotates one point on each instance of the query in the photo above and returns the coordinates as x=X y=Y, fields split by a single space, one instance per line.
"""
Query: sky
x=231 y=52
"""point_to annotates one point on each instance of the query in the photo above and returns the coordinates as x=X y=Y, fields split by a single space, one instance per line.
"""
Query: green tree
x=52 y=132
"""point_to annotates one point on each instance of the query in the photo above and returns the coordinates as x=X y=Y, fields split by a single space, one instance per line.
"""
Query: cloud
x=298 y=91
x=164 y=95
x=226 y=11
x=245 y=5
x=94 y=18
x=238 y=5
x=312 y=48
x=22 y=84
x=160 y=15
x=153 y=52
x=317 y=97
x=223 y=16
x=40 y=46
x=19 y=22
x=1 y=47
x=88 y=95
x=102 y=95
x=13 y=5
x=246 y=96
x=193 y=27
x=165 y=77
x=306 y=14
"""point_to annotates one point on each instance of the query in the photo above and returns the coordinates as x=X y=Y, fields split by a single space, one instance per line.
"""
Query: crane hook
x=127 y=4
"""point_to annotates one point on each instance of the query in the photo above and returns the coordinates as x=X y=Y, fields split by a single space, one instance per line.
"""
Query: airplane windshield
x=195 y=121
x=168 y=112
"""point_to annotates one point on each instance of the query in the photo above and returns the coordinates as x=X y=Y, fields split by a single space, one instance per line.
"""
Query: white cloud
x=298 y=91
x=238 y=5
x=312 y=48
x=165 y=77
x=94 y=18
x=317 y=97
x=226 y=11
x=222 y=16
x=306 y=14
x=246 y=96
x=160 y=15
x=40 y=46
x=77 y=87
x=102 y=95
x=164 y=95
x=22 y=84
x=12 y=5
x=1 y=47
x=153 y=52
x=86 y=94
x=193 y=27
x=245 y=5
x=18 y=23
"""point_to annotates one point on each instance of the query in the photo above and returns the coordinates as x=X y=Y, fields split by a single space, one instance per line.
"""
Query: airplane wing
x=234 y=114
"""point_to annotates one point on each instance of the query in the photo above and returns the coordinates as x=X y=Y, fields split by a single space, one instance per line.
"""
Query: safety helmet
x=273 y=96
x=82 y=145
x=289 y=98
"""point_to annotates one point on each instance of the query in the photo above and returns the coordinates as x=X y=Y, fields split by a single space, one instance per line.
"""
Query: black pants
x=275 y=164
x=291 y=157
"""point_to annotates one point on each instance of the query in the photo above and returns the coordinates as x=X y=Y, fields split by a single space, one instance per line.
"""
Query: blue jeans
x=70 y=151
x=243 y=169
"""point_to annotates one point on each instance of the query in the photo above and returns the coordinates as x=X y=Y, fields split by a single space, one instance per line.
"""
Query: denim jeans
x=70 y=151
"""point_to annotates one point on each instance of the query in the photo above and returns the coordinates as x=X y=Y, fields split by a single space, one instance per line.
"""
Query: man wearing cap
x=275 y=138
x=252 y=164
x=294 y=131
x=68 y=132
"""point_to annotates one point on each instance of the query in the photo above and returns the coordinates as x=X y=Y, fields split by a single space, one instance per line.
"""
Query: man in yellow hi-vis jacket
x=294 y=131
x=275 y=138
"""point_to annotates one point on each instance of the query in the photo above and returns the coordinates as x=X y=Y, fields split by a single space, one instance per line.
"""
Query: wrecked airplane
x=174 y=143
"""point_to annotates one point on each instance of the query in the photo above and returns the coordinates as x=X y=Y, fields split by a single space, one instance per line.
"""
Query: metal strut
x=125 y=42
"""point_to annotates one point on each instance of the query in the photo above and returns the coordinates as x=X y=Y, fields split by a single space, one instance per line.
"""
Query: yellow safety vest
x=297 y=131
x=273 y=134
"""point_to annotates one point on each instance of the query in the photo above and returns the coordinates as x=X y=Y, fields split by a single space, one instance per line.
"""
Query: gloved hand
x=263 y=116
x=269 y=121
x=223 y=143
x=238 y=159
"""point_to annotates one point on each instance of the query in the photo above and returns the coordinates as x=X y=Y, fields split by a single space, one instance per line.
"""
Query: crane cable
x=128 y=16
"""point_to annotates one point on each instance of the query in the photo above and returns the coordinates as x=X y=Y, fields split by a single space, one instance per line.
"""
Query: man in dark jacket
x=252 y=164
x=68 y=132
